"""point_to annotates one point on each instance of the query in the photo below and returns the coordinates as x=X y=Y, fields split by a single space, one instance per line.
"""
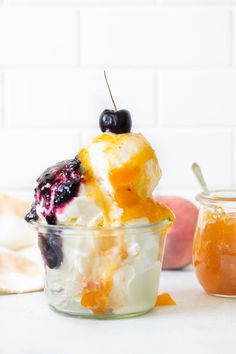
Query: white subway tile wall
x=172 y=63
x=75 y=97
x=160 y=36
x=205 y=98
x=26 y=153
x=177 y=149
x=38 y=36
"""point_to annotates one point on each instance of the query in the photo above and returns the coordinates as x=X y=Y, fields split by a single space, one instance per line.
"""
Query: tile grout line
x=119 y=67
x=181 y=4
x=147 y=128
x=131 y=4
x=82 y=4
x=231 y=38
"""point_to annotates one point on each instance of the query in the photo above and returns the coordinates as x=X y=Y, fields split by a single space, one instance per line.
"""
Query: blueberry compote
x=57 y=186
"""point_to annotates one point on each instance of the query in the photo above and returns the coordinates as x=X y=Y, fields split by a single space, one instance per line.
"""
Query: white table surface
x=200 y=324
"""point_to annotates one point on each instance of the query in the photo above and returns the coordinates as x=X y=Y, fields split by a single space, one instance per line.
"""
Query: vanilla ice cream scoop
x=122 y=160
x=121 y=173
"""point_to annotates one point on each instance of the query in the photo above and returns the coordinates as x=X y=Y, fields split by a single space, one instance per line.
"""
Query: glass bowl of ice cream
x=102 y=272
x=100 y=231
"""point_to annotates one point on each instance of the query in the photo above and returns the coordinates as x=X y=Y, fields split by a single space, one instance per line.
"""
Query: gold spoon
x=198 y=173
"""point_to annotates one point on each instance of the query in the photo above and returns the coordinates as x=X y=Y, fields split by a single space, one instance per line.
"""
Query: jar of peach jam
x=214 y=249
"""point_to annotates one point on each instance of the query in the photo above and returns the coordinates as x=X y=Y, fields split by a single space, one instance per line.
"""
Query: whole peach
x=179 y=242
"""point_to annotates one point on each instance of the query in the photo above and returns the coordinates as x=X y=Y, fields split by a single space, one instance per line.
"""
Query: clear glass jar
x=102 y=272
x=214 y=249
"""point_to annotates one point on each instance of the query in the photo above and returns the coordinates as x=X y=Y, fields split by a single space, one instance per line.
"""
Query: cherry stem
x=110 y=91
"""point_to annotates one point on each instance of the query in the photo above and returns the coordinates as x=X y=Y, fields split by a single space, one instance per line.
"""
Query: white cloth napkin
x=21 y=268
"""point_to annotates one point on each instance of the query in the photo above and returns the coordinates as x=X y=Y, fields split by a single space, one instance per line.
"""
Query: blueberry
x=32 y=214
x=51 y=249
x=118 y=122
x=51 y=218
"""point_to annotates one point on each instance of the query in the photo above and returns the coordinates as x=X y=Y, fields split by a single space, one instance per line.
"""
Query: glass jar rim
x=217 y=196
x=44 y=228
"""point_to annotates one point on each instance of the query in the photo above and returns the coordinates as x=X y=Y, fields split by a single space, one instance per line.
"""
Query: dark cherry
x=114 y=121
x=57 y=186
x=118 y=122
x=51 y=250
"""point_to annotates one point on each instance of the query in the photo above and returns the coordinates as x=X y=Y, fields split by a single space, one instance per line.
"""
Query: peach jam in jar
x=214 y=248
